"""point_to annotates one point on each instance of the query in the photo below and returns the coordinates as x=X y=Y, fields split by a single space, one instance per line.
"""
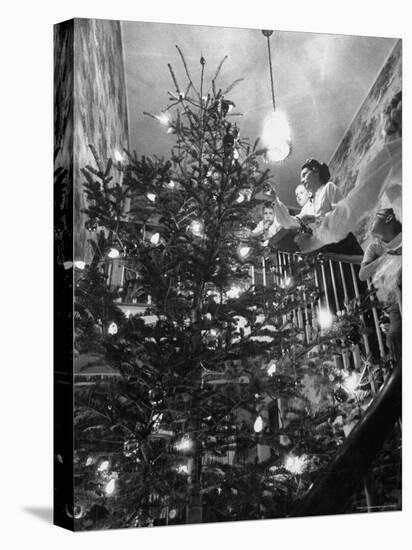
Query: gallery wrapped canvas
x=228 y=255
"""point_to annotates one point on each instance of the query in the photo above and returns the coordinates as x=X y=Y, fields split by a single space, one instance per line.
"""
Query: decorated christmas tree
x=206 y=410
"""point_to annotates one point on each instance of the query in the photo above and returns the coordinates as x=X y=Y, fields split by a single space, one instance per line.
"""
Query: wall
x=99 y=106
x=363 y=138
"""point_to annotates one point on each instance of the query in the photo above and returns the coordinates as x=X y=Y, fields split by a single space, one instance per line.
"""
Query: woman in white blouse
x=379 y=184
x=315 y=177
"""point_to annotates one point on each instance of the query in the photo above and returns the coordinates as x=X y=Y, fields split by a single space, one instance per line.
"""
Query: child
x=382 y=262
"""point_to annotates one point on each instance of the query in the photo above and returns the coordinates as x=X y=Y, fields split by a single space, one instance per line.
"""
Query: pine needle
x=173 y=78
x=219 y=68
x=186 y=68
x=230 y=88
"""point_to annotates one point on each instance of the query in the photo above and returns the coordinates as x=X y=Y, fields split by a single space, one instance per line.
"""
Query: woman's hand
x=306 y=219
x=307 y=243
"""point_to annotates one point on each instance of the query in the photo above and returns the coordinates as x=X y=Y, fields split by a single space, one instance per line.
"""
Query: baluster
x=345 y=288
x=335 y=292
x=308 y=328
x=377 y=328
x=263 y=271
x=295 y=311
x=322 y=268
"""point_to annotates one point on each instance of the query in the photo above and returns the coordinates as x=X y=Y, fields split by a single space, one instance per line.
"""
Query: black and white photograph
x=227 y=274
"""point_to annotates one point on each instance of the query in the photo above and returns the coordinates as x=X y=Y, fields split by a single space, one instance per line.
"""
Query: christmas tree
x=186 y=423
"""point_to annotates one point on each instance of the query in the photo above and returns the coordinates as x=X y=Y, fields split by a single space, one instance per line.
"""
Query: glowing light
x=171 y=184
x=103 y=466
x=288 y=281
x=244 y=251
x=276 y=136
x=234 y=292
x=325 y=318
x=80 y=264
x=240 y=198
x=295 y=464
x=351 y=382
x=113 y=253
x=184 y=444
x=279 y=153
x=272 y=368
x=265 y=243
x=118 y=156
x=89 y=461
x=183 y=469
x=112 y=329
x=258 y=425
x=163 y=118
x=110 y=487
x=155 y=238
x=196 y=227
x=151 y=197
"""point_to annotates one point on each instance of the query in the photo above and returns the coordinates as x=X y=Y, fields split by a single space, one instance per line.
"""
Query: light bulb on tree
x=325 y=318
x=196 y=228
x=271 y=368
x=163 y=118
x=259 y=424
x=151 y=197
x=184 y=444
x=103 y=466
x=351 y=382
x=112 y=329
x=171 y=184
x=118 y=156
x=182 y=469
x=234 y=292
x=295 y=464
x=79 y=264
x=244 y=251
x=113 y=253
x=110 y=487
x=155 y=238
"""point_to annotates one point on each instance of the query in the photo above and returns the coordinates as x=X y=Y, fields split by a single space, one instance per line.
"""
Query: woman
x=379 y=184
x=315 y=177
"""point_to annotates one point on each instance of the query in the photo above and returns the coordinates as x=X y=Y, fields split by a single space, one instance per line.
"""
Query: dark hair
x=315 y=166
x=388 y=216
x=393 y=116
x=268 y=204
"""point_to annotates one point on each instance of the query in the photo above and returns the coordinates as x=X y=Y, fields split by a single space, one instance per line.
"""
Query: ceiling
x=320 y=82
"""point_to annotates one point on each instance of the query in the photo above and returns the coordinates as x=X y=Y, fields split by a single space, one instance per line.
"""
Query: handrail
x=332 y=490
x=345 y=258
